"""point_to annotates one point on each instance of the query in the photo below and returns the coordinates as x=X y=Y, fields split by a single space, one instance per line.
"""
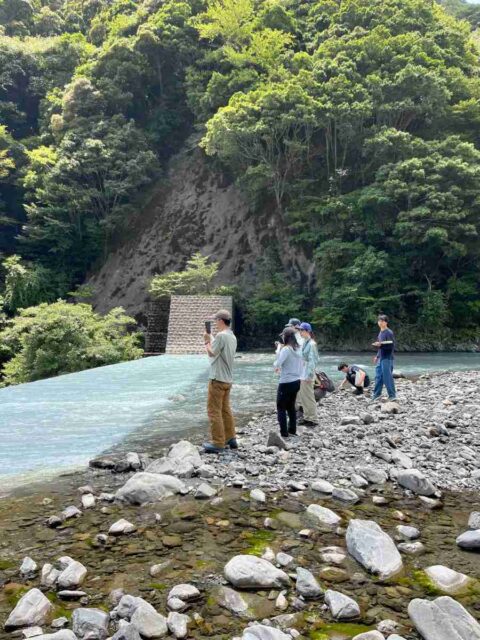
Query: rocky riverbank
x=348 y=531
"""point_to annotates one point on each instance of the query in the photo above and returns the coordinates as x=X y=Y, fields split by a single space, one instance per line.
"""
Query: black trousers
x=286 y=396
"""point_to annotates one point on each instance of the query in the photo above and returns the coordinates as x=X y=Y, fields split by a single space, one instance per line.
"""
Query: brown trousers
x=222 y=423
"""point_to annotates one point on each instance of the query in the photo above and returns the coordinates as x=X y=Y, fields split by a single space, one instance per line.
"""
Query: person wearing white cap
x=306 y=395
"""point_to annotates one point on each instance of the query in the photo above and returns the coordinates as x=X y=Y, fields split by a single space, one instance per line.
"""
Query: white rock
x=416 y=481
x=474 y=520
x=150 y=623
x=447 y=580
x=176 y=604
x=373 y=548
x=323 y=514
x=443 y=619
x=72 y=576
x=70 y=512
x=120 y=527
x=350 y=420
x=407 y=533
x=370 y=635
x=470 y=540
x=345 y=495
x=49 y=575
x=186 y=592
x=133 y=459
x=251 y=572
x=32 y=632
x=91 y=624
x=28 y=568
x=342 y=607
x=374 y=476
x=258 y=495
x=88 y=500
x=205 y=491
x=411 y=548
x=322 y=486
x=127 y=606
x=307 y=585
x=185 y=451
x=264 y=632
x=284 y=559
x=401 y=459
x=177 y=624
x=32 y=609
x=281 y=602
x=143 y=488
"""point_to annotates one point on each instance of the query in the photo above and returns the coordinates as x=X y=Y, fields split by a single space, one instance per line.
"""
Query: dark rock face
x=194 y=209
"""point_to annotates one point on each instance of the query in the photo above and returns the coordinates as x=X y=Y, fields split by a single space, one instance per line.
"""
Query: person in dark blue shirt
x=384 y=361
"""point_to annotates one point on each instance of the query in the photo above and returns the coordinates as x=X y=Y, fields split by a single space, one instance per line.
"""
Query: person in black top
x=356 y=376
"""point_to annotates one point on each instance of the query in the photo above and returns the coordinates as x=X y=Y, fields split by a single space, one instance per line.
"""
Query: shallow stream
x=60 y=423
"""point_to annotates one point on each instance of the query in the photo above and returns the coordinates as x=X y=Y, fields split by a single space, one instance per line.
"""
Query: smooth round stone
x=407 y=533
x=469 y=540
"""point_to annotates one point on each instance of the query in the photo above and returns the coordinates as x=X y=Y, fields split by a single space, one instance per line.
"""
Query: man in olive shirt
x=221 y=353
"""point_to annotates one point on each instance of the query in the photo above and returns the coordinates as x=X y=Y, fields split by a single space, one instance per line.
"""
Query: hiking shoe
x=232 y=443
x=309 y=423
x=208 y=447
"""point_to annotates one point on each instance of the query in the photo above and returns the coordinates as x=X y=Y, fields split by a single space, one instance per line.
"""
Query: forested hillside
x=356 y=122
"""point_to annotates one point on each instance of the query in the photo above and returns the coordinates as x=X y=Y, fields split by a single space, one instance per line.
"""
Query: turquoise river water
x=58 y=424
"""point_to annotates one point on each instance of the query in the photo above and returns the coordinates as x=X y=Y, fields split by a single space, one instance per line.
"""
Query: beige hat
x=223 y=314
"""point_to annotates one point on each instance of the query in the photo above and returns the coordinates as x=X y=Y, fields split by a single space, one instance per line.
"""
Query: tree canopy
x=356 y=122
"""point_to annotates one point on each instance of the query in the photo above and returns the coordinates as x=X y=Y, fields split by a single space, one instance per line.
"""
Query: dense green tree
x=59 y=338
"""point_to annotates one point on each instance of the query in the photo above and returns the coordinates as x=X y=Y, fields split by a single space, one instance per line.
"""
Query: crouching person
x=356 y=376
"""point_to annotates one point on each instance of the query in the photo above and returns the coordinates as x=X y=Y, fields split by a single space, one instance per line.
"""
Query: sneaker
x=374 y=400
x=393 y=399
x=309 y=423
x=208 y=447
x=232 y=443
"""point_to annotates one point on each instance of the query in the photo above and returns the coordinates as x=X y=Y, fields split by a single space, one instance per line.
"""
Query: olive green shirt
x=224 y=348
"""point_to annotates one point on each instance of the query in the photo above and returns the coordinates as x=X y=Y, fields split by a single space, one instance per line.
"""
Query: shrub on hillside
x=195 y=280
x=53 y=339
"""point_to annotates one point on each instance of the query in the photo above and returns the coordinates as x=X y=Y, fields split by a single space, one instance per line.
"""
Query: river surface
x=53 y=425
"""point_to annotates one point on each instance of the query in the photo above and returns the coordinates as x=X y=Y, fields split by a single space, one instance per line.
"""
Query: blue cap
x=305 y=326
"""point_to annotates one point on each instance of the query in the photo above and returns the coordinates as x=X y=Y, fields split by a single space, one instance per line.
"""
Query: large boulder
x=342 y=607
x=144 y=487
x=250 y=572
x=91 y=624
x=443 y=619
x=416 y=481
x=373 y=548
x=262 y=632
x=32 y=609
